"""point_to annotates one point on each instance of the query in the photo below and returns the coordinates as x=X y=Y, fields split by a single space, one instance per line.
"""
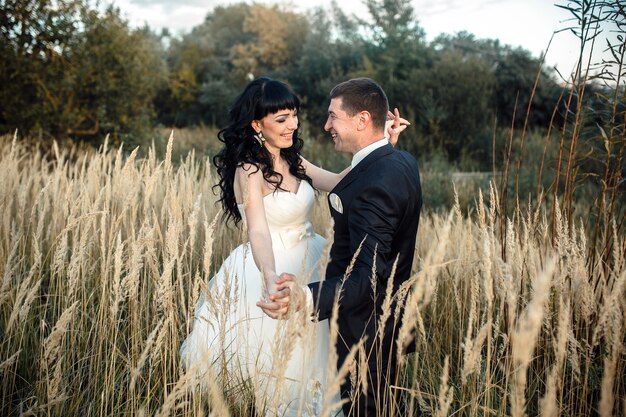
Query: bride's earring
x=259 y=138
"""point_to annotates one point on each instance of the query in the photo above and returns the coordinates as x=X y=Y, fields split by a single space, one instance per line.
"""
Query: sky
x=529 y=24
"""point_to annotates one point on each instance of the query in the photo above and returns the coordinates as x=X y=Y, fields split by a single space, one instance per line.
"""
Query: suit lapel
x=362 y=166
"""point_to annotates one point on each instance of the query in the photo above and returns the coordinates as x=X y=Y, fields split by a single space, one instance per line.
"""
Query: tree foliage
x=33 y=39
x=69 y=70
x=234 y=44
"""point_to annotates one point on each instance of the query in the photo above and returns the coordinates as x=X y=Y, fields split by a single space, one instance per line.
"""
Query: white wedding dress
x=284 y=360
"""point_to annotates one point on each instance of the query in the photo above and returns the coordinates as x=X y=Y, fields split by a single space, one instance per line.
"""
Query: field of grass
x=103 y=255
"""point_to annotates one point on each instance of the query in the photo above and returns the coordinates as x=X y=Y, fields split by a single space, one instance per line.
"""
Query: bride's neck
x=279 y=164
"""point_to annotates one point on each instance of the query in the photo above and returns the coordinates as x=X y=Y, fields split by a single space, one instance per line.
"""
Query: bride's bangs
x=277 y=96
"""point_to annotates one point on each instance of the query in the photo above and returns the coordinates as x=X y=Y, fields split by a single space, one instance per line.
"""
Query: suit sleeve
x=373 y=220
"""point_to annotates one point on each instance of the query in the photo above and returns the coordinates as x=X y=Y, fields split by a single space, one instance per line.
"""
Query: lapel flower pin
x=335 y=202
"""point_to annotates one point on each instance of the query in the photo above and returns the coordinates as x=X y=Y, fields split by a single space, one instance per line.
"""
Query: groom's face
x=341 y=127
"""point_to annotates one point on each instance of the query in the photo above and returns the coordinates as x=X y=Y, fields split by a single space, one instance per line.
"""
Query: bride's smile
x=278 y=129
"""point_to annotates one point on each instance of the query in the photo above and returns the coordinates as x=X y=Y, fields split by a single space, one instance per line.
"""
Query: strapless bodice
x=288 y=214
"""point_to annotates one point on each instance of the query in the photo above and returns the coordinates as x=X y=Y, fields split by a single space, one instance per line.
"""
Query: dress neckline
x=285 y=191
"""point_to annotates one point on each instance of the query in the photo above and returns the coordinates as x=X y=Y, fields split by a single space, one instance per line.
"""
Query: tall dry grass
x=102 y=258
x=515 y=311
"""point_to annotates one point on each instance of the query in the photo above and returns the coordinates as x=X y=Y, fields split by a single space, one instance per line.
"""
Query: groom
x=376 y=210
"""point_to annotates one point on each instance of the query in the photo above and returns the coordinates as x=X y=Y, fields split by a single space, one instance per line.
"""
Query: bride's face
x=277 y=129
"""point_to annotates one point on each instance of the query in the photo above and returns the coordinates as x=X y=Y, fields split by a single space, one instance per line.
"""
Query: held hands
x=289 y=296
x=394 y=126
x=269 y=287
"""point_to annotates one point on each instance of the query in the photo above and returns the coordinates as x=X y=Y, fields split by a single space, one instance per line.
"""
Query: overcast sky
x=526 y=23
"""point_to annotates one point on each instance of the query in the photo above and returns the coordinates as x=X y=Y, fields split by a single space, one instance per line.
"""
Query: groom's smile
x=340 y=125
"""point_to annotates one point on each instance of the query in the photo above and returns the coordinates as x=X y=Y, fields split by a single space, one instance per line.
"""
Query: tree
x=217 y=58
x=201 y=83
x=397 y=53
x=460 y=92
x=325 y=60
x=116 y=74
x=75 y=71
x=276 y=42
x=515 y=71
x=33 y=39
x=394 y=23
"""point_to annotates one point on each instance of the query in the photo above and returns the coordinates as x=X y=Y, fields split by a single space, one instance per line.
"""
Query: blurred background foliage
x=69 y=70
x=72 y=71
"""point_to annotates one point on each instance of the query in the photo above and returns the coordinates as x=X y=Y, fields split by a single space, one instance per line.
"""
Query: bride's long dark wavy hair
x=260 y=98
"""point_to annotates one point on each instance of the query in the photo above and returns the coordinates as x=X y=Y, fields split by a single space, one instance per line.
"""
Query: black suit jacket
x=381 y=199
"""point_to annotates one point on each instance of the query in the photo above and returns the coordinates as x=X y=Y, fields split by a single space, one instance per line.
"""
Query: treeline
x=69 y=70
x=452 y=89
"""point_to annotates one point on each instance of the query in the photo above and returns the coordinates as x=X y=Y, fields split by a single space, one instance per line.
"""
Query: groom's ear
x=364 y=119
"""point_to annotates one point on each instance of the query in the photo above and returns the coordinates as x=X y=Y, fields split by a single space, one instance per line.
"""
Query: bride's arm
x=250 y=185
x=322 y=179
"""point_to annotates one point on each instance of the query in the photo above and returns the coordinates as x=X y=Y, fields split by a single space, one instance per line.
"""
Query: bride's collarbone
x=289 y=185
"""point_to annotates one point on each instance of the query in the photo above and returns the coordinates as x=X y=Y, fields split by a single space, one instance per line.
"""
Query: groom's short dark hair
x=359 y=94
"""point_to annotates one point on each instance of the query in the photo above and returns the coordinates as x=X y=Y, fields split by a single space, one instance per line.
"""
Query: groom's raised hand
x=394 y=126
x=290 y=296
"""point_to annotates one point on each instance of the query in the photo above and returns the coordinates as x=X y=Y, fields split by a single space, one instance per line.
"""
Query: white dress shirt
x=360 y=155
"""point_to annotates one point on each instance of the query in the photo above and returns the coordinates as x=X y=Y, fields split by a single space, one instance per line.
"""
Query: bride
x=266 y=185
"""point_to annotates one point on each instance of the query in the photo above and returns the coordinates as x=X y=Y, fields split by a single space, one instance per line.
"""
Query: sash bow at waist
x=291 y=236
